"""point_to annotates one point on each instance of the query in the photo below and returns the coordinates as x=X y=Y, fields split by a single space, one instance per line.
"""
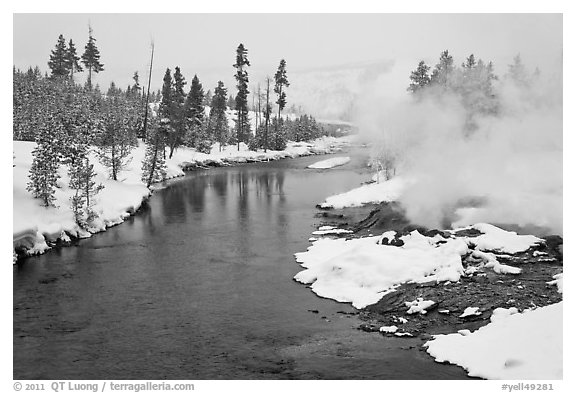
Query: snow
x=513 y=345
x=330 y=163
x=470 y=311
x=558 y=281
x=419 y=306
x=335 y=231
x=493 y=263
x=494 y=238
x=386 y=191
x=361 y=271
x=35 y=226
x=389 y=329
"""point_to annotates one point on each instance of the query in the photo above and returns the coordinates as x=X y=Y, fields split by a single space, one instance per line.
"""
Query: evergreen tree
x=81 y=174
x=420 y=78
x=242 y=122
x=44 y=170
x=280 y=82
x=118 y=136
x=91 y=58
x=166 y=109
x=58 y=63
x=177 y=115
x=217 y=122
x=443 y=70
x=136 y=89
x=470 y=62
x=278 y=138
x=517 y=72
x=154 y=165
x=196 y=129
x=72 y=60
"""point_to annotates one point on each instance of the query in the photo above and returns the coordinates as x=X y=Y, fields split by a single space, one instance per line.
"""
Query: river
x=198 y=285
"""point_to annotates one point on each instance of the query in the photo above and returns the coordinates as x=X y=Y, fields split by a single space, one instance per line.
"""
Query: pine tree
x=278 y=140
x=72 y=60
x=420 y=78
x=217 y=122
x=91 y=58
x=82 y=174
x=517 y=72
x=118 y=136
x=135 y=90
x=194 y=114
x=58 y=63
x=154 y=165
x=470 y=62
x=44 y=170
x=443 y=70
x=177 y=115
x=280 y=82
x=242 y=122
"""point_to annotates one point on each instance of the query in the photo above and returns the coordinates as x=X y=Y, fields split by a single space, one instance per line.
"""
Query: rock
x=368 y=327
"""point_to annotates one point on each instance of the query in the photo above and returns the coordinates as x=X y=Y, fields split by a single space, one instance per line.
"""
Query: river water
x=198 y=285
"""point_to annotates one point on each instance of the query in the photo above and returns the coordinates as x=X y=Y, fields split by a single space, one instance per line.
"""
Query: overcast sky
x=205 y=43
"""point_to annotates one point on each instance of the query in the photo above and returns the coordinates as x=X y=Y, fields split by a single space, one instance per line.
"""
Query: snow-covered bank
x=330 y=163
x=385 y=191
x=35 y=227
x=361 y=271
x=513 y=346
x=185 y=158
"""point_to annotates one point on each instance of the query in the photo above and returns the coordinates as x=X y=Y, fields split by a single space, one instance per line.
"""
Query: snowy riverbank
x=484 y=298
x=36 y=228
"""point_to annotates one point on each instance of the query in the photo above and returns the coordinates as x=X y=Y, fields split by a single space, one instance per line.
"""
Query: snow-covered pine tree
x=72 y=60
x=154 y=165
x=278 y=139
x=280 y=83
x=118 y=135
x=91 y=57
x=177 y=115
x=443 y=70
x=81 y=174
x=517 y=72
x=44 y=170
x=243 y=122
x=58 y=62
x=217 y=122
x=419 y=78
x=196 y=126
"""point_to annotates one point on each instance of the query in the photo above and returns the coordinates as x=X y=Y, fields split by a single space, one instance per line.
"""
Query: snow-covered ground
x=385 y=191
x=513 y=346
x=361 y=271
x=35 y=226
x=330 y=163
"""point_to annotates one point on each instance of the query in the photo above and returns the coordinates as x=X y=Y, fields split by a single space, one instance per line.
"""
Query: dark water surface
x=199 y=286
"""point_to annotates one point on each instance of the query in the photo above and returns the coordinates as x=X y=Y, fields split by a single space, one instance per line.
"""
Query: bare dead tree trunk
x=267 y=114
x=259 y=119
x=148 y=93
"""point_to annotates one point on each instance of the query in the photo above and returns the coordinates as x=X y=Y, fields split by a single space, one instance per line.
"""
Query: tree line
x=472 y=83
x=68 y=121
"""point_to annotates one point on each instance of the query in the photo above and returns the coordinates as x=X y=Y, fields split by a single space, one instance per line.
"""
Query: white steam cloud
x=507 y=171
